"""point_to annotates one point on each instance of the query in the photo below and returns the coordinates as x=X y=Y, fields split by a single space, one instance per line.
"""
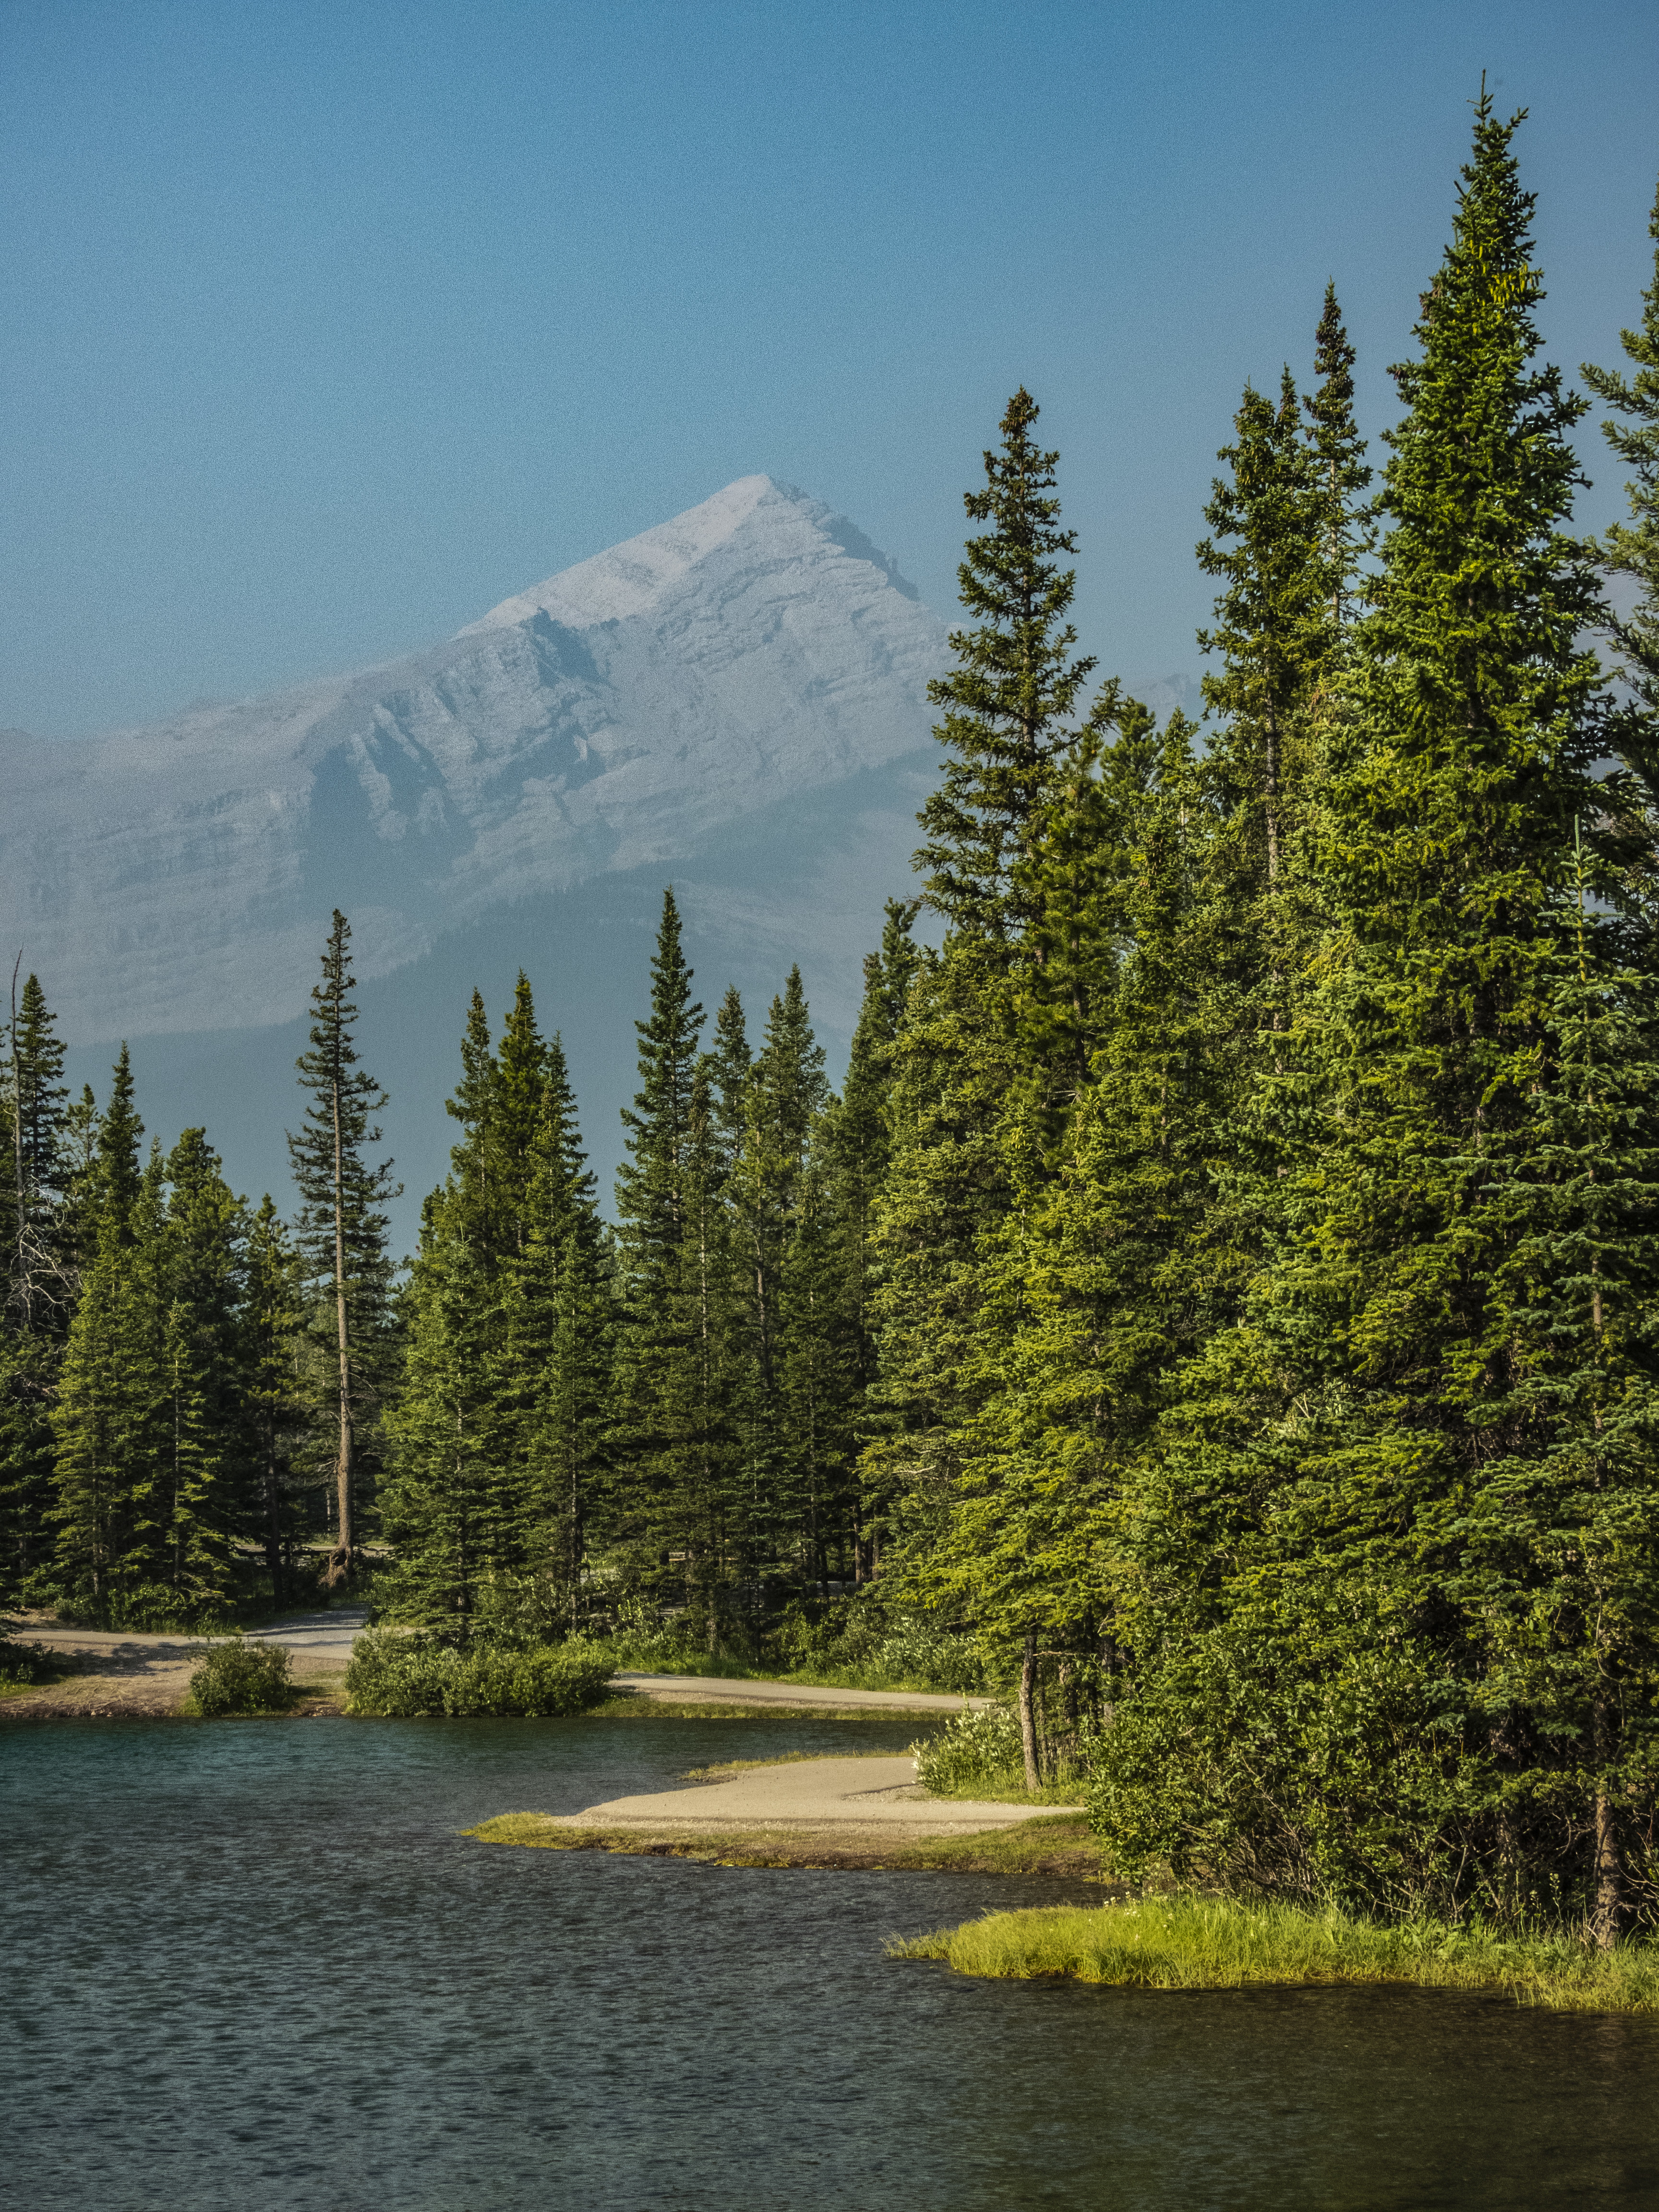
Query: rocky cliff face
x=624 y=719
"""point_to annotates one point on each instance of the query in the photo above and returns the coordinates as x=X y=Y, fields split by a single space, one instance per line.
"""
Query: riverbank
x=865 y=1812
x=1200 y=1944
x=125 y=1674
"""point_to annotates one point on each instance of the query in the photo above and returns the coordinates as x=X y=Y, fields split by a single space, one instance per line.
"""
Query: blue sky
x=324 y=327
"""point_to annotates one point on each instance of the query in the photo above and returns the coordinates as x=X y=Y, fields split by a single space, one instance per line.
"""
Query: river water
x=253 y=1966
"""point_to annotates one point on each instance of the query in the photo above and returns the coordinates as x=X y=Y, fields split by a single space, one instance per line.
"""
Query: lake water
x=252 y=1967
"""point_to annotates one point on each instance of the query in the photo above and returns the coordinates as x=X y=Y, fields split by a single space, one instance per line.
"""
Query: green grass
x=625 y=1704
x=634 y=1661
x=1200 y=1944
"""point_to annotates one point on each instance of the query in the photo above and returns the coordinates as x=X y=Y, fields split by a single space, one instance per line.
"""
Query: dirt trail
x=120 y=1674
x=861 y=1793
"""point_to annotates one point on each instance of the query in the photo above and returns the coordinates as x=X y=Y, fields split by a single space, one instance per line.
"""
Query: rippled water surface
x=254 y=1965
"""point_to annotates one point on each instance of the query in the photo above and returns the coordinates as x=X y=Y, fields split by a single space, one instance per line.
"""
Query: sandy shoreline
x=121 y=1674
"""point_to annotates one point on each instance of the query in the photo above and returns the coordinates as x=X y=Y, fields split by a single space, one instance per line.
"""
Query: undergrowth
x=412 y=1677
x=240 y=1678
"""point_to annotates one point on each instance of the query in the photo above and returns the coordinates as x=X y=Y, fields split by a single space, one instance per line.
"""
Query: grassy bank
x=1061 y=1846
x=1200 y=1944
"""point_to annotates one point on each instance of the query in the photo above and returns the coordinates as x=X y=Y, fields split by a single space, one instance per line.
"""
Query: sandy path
x=123 y=1672
x=122 y=1675
x=861 y=1793
x=701 y=1689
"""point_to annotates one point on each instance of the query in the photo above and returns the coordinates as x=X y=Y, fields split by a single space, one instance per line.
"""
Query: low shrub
x=237 y=1677
x=22 y=1665
x=414 y=1677
x=975 y=1752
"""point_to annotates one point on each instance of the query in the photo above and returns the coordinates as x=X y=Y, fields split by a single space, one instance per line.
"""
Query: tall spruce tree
x=1008 y=700
x=342 y=1230
x=273 y=1346
x=1362 y=1672
x=209 y=1473
x=560 y=1343
x=660 y=1366
x=1631 y=550
x=41 y=1278
x=111 y=1510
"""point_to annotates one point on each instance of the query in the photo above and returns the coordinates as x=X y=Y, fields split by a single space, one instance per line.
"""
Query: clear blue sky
x=325 y=326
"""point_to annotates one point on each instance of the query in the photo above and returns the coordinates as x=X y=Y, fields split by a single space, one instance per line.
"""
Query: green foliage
x=341 y=1232
x=407 y=1677
x=975 y=1752
x=25 y=1665
x=238 y=1678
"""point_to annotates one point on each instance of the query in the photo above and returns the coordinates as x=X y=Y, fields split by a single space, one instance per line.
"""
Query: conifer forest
x=1218 y=1310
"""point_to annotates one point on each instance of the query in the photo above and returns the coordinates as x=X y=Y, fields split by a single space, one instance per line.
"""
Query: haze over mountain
x=735 y=701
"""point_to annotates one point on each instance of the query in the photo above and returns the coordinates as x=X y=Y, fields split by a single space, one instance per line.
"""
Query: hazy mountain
x=611 y=719
x=734 y=701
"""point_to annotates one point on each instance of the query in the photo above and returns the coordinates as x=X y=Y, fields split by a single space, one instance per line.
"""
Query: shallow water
x=252 y=1967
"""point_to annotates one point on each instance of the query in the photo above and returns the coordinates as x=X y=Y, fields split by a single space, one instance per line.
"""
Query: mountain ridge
x=608 y=718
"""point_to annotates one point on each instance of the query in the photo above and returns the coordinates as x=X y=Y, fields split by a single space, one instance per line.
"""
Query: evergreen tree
x=1341 y=1538
x=342 y=1228
x=208 y=1472
x=273 y=1350
x=1274 y=631
x=1008 y=698
x=1340 y=471
x=40 y=1280
x=658 y=1357
x=560 y=1340
x=1631 y=549
x=111 y=1416
x=857 y=1146
x=785 y=1095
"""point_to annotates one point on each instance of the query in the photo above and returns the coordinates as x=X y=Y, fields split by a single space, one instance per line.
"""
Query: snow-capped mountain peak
x=636 y=576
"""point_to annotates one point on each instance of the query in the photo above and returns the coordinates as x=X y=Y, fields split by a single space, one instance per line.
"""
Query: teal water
x=253 y=1966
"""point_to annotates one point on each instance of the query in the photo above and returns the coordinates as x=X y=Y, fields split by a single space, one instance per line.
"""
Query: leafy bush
x=23 y=1665
x=973 y=1752
x=410 y=1677
x=855 y=1639
x=240 y=1678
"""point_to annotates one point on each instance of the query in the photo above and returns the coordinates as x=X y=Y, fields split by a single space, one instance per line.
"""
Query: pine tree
x=114 y=1175
x=40 y=1280
x=342 y=1230
x=454 y=1505
x=210 y=1447
x=1632 y=550
x=111 y=1511
x=1341 y=1540
x=1008 y=699
x=448 y=1504
x=1340 y=470
x=857 y=1146
x=659 y=1362
x=1274 y=630
x=561 y=1338
x=785 y=1095
x=273 y=1352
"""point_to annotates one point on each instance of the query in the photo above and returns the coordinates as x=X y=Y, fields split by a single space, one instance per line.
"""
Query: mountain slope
x=619 y=720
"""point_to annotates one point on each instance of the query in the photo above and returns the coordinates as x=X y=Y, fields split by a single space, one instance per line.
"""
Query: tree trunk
x=273 y=1527
x=24 y=1286
x=1028 y=1715
x=340 y=1560
x=1607 y=1917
